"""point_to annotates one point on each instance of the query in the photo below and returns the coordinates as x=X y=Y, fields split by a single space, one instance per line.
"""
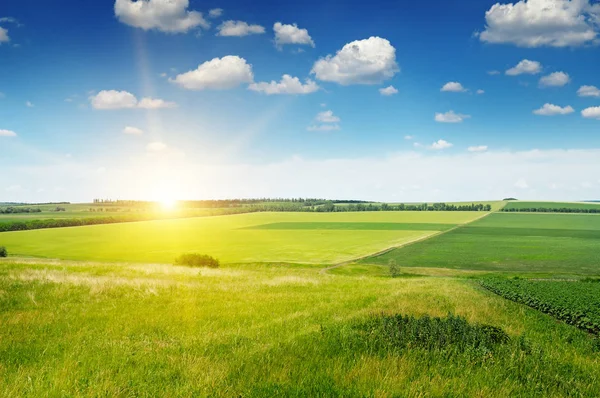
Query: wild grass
x=92 y=329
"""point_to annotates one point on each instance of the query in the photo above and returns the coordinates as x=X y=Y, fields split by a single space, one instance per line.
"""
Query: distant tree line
x=551 y=210
x=16 y=210
x=332 y=207
x=224 y=203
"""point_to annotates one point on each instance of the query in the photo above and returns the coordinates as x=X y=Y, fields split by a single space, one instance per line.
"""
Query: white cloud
x=551 y=110
x=440 y=144
x=217 y=74
x=7 y=133
x=215 y=13
x=493 y=72
x=521 y=184
x=480 y=91
x=369 y=61
x=4 y=38
x=450 y=117
x=327 y=117
x=155 y=103
x=409 y=137
x=525 y=67
x=239 y=29
x=453 y=87
x=133 y=130
x=323 y=127
x=156 y=147
x=287 y=85
x=591 y=113
x=588 y=91
x=478 y=148
x=29 y=104
x=556 y=79
x=537 y=23
x=112 y=99
x=291 y=34
x=390 y=90
x=170 y=16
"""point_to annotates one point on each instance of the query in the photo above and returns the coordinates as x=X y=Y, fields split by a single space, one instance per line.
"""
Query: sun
x=168 y=204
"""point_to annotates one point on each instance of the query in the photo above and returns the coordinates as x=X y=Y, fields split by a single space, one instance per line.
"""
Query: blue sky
x=164 y=98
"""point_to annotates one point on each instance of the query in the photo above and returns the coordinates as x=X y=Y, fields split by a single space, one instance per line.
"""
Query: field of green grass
x=557 y=243
x=76 y=329
x=254 y=237
x=551 y=205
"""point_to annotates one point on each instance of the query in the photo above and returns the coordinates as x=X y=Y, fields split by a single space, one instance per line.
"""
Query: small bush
x=197 y=260
x=395 y=270
x=3 y=251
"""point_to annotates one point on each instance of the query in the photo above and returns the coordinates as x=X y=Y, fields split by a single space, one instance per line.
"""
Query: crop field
x=257 y=237
x=575 y=302
x=557 y=243
x=80 y=329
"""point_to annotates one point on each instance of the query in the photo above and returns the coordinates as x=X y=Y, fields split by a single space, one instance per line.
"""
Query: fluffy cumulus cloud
x=217 y=74
x=588 y=91
x=556 y=79
x=113 y=99
x=327 y=117
x=215 y=13
x=591 y=113
x=7 y=133
x=551 y=110
x=291 y=34
x=525 y=67
x=369 y=61
x=4 y=38
x=287 y=85
x=132 y=130
x=390 y=90
x=170 y=16
x=239 y=29
x=453 y=87
x=537 y=23
x=477 y=148
x=440 y=144
x=450 y=117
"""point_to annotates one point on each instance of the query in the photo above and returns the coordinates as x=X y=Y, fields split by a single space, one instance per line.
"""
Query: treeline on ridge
x=551 y=210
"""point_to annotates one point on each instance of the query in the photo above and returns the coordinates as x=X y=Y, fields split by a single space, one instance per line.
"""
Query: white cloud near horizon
x=387 y=91
x=477 y=148
x=287 y=85
x=327 y=117
x=591 y=113
x=7 y=133
x=132 y=130
x=441 y=144
x=553 y=174
x=369 y=61
x=170 y=16
x=542 y=23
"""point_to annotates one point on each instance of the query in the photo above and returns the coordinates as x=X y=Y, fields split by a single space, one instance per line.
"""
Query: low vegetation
x=577 y=303
x=552 y=207
x=3 y=251
x=197 y=260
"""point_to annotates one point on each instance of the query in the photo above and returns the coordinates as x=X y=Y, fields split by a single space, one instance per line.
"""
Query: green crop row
x=576 y=303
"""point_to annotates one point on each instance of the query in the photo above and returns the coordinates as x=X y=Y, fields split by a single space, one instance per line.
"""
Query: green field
x=236 y=238
x=71 y=329
x=563 y=243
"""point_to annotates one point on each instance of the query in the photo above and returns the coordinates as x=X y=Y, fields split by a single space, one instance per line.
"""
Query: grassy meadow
x=252 y=237
x=303 y=306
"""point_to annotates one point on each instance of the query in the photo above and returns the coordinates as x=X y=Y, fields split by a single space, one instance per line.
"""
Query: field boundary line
x=403 y=244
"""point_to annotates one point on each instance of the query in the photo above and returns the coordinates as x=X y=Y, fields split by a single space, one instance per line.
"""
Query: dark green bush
x=3 y=252
x=197 y=260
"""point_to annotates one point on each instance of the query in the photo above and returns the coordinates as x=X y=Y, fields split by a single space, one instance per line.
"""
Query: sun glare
x=168 y=204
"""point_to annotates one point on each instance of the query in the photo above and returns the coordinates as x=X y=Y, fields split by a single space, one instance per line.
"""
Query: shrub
x=394 y=269
x=197 y=260
x=3 y=252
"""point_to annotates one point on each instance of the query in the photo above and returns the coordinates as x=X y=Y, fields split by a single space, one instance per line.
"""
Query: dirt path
x=403 y=244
